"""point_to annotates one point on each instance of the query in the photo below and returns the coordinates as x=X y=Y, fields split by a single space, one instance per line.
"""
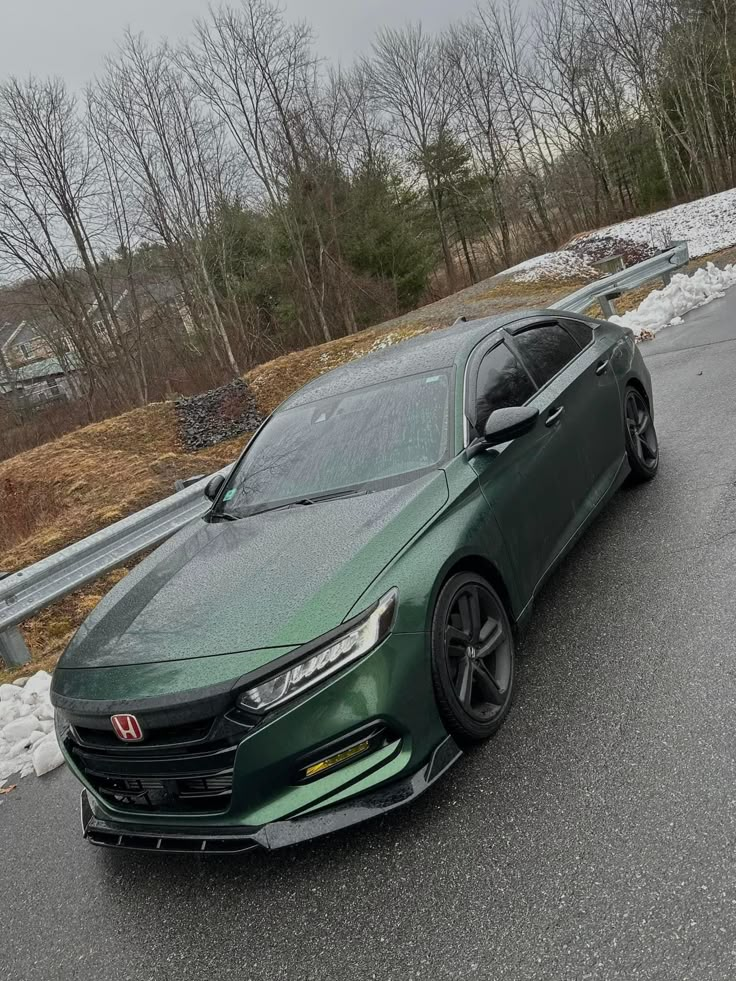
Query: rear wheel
x=472 y=658
x=642 y=447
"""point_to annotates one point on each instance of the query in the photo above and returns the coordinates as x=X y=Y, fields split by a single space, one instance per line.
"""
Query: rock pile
x=223 y=413
x=594 y=248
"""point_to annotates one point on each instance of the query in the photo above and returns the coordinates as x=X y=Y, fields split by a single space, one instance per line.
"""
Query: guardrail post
x=606 y=306
x=13 y=648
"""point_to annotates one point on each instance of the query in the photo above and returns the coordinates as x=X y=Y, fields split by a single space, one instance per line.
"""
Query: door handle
x=602 y=367
x=554 y=415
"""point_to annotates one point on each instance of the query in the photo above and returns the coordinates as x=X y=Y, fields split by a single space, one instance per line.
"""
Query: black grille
x=189 y=769
x=157 y=739
x=159 y=793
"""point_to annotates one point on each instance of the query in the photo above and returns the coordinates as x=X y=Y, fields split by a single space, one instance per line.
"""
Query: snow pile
x=666 y=306
x=560 y=265
x=27 y=738
x=708 y=224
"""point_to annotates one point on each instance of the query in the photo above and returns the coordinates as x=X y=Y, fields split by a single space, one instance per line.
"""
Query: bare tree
x=482 y=122
x=410 y=75
x=51 y=226
x=256 y=72
x=174 y=157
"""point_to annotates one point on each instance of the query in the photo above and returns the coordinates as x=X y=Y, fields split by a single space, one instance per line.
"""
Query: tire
x=473 y=690
x=642 y=446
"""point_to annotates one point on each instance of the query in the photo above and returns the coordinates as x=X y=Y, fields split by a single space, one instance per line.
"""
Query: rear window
x=545 y=350
x=582 y=333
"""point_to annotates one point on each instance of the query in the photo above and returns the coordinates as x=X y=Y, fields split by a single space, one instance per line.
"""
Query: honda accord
x=342 y=623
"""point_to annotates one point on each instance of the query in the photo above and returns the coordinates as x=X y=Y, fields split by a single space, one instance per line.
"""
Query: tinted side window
x=502 y=382
x=545 y=350
x=582 y=333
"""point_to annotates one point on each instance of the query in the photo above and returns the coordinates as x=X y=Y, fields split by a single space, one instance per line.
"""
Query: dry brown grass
x=62 y=491
x=720 y=258
x=274 y=381
x=511 y=289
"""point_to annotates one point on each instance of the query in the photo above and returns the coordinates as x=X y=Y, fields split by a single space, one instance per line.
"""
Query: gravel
x=223 y=413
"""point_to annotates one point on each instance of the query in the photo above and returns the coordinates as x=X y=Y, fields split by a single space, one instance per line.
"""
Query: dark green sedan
x=324 y=644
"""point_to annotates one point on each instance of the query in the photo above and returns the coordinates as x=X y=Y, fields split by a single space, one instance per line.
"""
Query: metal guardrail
x=605 y=291
x=26 y=592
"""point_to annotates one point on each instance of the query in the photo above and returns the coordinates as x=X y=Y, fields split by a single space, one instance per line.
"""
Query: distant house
x=21 y=343
x=28 y=367
x=154 y=298
x=35 y=372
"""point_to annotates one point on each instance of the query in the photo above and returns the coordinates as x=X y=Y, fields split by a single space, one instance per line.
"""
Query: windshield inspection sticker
x=229 y=496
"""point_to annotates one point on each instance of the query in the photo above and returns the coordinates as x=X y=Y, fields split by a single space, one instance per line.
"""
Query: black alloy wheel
x=642 y=447
x=472 y=658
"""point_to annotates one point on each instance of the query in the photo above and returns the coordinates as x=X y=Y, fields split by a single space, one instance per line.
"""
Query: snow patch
x=27 y=738
x=708 y=224
x=665 y=307
x=388 y=340
x=553 y=265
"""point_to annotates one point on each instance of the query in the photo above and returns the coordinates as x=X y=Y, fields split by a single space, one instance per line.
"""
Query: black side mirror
x=503 y=425
x=214 y=486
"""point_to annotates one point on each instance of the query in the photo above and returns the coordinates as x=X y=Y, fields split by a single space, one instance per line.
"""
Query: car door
x=604 y=436
x=535 y=483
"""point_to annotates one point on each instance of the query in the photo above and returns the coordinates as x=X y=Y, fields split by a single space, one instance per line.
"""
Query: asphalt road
x=593 y=838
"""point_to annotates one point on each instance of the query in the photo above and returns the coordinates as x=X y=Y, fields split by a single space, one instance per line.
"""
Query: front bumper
x=100 y=830
x=242 y=790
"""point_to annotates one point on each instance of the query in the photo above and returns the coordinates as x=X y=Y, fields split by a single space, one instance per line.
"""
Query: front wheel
x=472 y=658
x=642 y=447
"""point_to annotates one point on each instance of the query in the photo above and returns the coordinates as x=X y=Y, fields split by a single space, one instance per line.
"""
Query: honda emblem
x=127 y=728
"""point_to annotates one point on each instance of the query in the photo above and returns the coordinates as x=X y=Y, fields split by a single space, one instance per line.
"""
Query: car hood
x=273 y=580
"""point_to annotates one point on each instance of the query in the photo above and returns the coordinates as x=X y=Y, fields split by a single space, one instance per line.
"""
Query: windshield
x=361 y=440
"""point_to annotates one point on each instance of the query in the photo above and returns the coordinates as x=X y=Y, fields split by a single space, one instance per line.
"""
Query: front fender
x=464 y=530
x=628 y=363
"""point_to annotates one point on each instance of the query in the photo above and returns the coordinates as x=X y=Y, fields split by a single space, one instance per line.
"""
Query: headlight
x=354 y=644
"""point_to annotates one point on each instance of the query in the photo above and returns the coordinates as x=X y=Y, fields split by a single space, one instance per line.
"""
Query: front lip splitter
x=100 y=830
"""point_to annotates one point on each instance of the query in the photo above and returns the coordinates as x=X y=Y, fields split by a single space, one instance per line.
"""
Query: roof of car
x=426 y=352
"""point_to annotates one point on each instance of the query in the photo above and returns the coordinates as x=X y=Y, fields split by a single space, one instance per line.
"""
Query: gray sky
x=71 y=37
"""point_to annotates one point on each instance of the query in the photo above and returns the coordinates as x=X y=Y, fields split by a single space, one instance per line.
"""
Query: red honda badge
x=127 y=728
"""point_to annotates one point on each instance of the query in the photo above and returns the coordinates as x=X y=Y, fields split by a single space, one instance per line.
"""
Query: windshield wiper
x=333 y=496
x=306 y=501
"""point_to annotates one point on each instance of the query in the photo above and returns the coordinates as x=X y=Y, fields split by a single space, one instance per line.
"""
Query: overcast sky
x=71 y=37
